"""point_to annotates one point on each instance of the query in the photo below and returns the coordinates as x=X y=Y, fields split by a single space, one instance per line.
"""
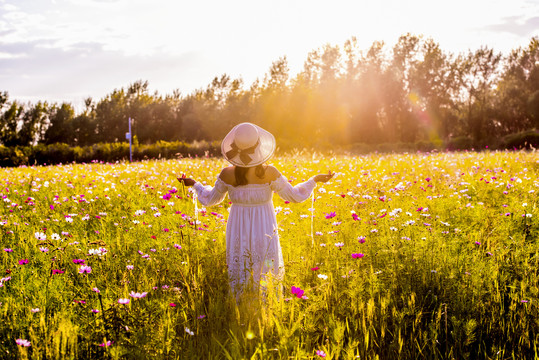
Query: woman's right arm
x=301 y=191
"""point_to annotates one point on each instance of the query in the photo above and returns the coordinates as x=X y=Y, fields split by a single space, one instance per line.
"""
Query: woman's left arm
x=207 y=195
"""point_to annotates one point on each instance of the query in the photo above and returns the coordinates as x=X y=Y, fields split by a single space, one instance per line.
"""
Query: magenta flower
x=85 y=269
x=315 y=268
x=477 y=243
x=23 y=261
x=23 y=342
x=8 y=250
x=355 y=217
x=95 y=311
x=78 y=261
x=297 y=291
x=330 y=215
x=172 y=305
x=166 y=196
x=57 y=271
x=108 y=343
x=357 y=255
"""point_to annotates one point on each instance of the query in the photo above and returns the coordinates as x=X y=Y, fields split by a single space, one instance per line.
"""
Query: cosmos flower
x=23 y=342
x=123 y=301
x=297 y=291
x=84 y=269
x=357 y=255
x=137 y=295
x=330 y=215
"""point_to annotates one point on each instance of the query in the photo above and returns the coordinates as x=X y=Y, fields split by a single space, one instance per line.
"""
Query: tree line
x=413 y=91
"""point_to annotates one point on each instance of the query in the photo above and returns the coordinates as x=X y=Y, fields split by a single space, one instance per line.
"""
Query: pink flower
x=297 y=291
x=123 y=301
x=321 y=353
x=477 y=243
x=95 y=311
x=357 y=255
x=85 y=269
x=96 y=290
x=8 y=250
x=361 y=239
x=23 y=342
x=137 y=295
x=108 y=343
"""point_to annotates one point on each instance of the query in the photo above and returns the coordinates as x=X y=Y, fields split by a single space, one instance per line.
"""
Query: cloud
x=37 y=70
x=517 y=25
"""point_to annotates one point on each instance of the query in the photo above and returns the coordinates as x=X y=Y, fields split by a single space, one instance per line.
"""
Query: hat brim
x=263 y=152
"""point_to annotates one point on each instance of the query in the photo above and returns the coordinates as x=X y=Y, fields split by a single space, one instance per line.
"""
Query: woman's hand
x=324 y=177
x=186 y=181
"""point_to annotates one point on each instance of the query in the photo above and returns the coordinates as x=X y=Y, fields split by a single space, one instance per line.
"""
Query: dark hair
x=241 y=172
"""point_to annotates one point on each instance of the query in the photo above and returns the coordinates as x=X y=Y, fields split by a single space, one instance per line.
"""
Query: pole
x=130 y=142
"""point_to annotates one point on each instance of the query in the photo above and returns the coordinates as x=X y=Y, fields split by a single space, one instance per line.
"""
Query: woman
x=252 y=241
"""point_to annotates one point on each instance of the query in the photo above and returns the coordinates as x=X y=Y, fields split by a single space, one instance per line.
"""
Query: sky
x=69 y=50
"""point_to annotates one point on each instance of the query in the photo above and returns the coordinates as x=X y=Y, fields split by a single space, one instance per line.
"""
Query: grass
x=448 y=264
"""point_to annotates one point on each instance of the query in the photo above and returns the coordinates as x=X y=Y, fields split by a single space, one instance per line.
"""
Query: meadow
x=404 y=256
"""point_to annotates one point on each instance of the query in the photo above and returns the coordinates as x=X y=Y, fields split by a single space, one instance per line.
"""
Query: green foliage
x=523 y=140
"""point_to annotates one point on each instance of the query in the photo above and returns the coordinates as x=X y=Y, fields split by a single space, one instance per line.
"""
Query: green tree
x=60 y=129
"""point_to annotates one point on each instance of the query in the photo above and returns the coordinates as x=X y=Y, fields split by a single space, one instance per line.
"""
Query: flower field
x=428 y=255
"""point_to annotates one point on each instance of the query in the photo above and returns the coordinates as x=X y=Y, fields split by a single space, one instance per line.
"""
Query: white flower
x=322 y=276
x=157 y=214
x=55 y=236
x=40 y=236
x=139 y=212
x=187 y=330
x=86 y=217
x=528 y=215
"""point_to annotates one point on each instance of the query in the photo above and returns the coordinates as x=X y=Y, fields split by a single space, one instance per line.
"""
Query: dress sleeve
x=298 y=193
x=208 y=195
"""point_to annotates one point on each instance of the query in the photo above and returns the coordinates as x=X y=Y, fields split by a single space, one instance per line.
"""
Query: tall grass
x=445 y=262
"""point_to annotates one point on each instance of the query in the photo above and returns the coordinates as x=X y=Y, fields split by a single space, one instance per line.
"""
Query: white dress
x=252 y=240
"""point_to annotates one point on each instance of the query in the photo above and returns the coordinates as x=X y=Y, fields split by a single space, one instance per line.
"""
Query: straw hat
x=248 y=145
